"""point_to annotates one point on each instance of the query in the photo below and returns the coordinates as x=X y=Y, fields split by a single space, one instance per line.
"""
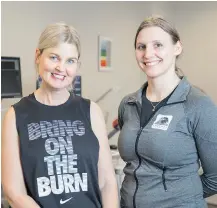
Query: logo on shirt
x=162 y=122
x=64 y=201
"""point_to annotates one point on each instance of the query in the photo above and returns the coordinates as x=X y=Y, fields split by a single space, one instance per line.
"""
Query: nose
x=149 y=52
x=60 y=67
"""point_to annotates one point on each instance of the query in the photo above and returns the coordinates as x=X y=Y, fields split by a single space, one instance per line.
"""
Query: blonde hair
x=57 y=33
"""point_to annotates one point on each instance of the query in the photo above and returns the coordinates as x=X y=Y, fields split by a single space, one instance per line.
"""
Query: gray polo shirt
x=162 y=158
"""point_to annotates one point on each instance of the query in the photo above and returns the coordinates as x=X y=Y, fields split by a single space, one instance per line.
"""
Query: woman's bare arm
x=12 y=175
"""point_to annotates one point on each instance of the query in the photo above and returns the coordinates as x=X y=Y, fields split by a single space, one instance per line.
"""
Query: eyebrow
x=150 y=42
x=59 y=56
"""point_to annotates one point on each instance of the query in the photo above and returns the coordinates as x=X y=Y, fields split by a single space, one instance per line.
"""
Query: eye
x=54 y=58
x=141 y=47
x=72 y=61
x=158 y=45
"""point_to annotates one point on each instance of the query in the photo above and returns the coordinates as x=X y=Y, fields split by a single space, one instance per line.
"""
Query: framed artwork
x=105 y=48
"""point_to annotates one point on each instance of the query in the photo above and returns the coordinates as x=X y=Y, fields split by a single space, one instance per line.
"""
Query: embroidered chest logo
x=162 y=122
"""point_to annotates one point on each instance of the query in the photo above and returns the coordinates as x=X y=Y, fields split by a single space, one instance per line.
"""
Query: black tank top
x=59 y=153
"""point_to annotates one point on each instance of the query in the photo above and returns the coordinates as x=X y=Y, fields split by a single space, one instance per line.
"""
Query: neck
x=160 y=87
x=50 y=96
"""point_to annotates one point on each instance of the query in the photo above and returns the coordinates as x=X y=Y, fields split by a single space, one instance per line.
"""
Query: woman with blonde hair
x=55 y=150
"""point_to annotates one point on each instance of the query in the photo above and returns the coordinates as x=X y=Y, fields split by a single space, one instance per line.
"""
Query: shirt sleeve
x=121 y=109
x=205 y=134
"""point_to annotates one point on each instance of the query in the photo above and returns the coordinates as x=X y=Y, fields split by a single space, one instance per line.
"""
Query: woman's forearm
x=109 y=194
x=21 y=201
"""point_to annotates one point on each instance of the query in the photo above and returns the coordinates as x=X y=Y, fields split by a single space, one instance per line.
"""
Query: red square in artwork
x=103 y=63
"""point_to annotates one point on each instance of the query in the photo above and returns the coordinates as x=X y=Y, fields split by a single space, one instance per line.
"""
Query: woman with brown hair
x=167 y=126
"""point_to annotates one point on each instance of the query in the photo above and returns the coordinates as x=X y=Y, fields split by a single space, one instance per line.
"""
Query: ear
x=37 y=55
x=178 y=48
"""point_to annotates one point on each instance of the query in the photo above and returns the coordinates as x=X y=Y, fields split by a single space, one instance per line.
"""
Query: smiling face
x=58 y=66
x=155 y=51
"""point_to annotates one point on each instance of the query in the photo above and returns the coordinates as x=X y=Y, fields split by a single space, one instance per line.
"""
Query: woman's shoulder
x=197 y=97
x=129 y=97
x=198 y=101
x=23 y=101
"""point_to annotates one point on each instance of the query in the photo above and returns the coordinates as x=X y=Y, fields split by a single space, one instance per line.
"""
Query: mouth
x=58 y=76
x=152 y=63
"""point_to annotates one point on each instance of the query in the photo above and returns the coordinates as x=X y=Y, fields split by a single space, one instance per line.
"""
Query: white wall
x=22 y=23
x=197 y=23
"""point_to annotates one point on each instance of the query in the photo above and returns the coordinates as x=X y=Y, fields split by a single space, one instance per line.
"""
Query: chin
x=57 y=86
x=152 y=73
x=152 y=76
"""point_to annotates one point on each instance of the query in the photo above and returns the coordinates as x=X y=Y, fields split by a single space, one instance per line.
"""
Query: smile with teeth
x=58 y=76
x=152 y=63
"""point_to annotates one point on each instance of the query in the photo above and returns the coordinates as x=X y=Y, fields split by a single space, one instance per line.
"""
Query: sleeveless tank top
x=59 y=153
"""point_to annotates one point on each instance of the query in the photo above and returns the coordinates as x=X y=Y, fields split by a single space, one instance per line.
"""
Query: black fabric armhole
x=15 y=106
x=85 y=109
